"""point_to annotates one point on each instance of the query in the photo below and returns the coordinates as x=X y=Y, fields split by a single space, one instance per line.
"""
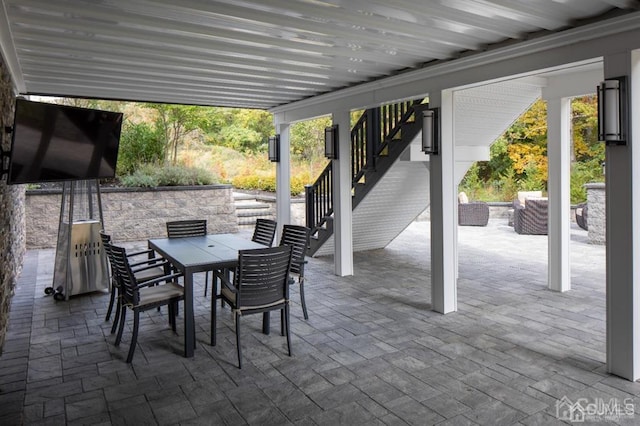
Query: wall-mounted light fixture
x=612 y=111
x=431 y=131
x=331 y=142
x=274 y=148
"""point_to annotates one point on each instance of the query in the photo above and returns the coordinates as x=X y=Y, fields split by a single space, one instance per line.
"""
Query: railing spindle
x=373 y=132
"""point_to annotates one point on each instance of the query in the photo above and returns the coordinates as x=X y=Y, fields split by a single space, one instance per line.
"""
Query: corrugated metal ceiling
x=251 y=53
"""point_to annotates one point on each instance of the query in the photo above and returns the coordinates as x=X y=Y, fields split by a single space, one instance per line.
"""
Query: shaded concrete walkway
x=372 y=352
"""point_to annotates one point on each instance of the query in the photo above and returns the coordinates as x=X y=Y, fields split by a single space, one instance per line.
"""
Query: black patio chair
x=145 y=269
x=186 y=228
x=264 y=231
x=297 y=237
x=189 y=228
x=260 y=285
x=140 y=296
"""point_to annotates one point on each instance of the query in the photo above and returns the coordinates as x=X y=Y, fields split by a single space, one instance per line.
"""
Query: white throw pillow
x=523 y=195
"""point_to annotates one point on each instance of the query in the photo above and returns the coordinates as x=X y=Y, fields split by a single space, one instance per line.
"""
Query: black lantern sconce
x=612 y=111
x=431 y=131
x=331 y=142
x=274 y=148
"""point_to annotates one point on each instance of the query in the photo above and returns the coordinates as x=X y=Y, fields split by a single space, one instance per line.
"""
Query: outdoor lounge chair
x=530 y=217
x=582 y=216
x=475 y=213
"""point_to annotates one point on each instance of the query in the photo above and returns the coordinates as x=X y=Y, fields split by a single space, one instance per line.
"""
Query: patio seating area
x=371 y=352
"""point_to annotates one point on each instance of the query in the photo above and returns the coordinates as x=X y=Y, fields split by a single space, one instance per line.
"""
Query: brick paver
x=372 y=351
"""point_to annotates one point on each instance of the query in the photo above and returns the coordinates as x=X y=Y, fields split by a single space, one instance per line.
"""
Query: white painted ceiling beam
x=33 y=64
x=368 y=28
x=7 y=48
x=157 y=88
x=180 y=56
x=290 y=49
x=555 y=50
x=571 y=85
x=443 y=14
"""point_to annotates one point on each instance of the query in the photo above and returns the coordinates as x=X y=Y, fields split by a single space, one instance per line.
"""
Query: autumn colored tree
x=585 y=123
x=519 y=157
x=588 y=152
x=527 y=147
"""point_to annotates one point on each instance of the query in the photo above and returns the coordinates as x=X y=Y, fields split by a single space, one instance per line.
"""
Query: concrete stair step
x=250 y=204
x=249 y=208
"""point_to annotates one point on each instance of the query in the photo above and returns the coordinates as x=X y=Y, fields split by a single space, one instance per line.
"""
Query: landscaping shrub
x=268 y=182
x=151 y=175
x=139 y=144
x=590 y=171
x=139 y=179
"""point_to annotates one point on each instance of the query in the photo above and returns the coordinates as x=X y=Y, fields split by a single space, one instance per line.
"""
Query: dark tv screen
x=57 y=143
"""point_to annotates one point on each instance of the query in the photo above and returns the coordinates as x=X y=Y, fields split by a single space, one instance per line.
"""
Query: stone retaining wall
x=135 y=214
x=12 y=213
x=596 y=216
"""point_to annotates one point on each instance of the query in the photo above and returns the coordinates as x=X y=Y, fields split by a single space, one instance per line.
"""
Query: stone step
x=240 y=196
x=249 y=208
x=253 y=213
x=250 y=205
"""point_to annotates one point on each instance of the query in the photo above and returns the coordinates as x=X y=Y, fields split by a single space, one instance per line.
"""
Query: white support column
x=342 y=208
x=444 y=213
x=623 y=231
x=283 y=178
x=559 y=156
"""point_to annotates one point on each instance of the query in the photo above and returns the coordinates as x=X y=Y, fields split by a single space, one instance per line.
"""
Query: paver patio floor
x=371 y=353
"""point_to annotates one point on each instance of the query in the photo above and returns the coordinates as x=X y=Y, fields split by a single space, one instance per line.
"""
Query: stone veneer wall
x=12 y=212
x=136 y=214
x=596 y=214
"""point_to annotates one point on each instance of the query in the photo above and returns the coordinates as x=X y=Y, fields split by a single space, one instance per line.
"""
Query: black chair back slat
x=297 y=237
x=262 y=276
x=264 y=232
x=186 y=228
x=128 y=285
x=106 y=246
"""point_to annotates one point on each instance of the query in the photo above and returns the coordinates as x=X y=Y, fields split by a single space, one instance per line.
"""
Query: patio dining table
x=198 y=254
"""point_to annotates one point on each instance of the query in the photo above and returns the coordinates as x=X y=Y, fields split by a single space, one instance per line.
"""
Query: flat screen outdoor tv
x=58 y=143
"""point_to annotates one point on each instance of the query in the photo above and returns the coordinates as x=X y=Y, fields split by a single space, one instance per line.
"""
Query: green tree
x=588 y=152
x=240 y=138
x=244 y=130
x=307 y=139
x=258 y=121
x=139 y=144
x=117 y=106
x=584 y=113
x=175 y=122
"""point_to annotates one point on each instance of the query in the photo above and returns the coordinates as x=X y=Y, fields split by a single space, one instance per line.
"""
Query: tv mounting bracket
x=4 y=155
